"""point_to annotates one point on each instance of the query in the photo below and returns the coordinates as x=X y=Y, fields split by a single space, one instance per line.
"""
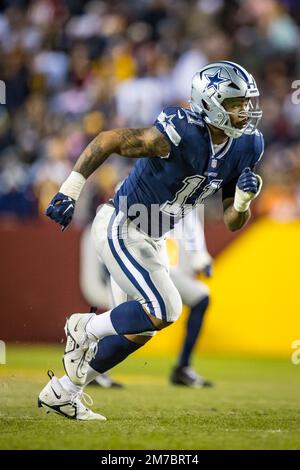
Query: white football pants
x=137 y=263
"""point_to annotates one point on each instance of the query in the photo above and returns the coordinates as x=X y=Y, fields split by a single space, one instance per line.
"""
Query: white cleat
x=79 y=349
x=54 y=398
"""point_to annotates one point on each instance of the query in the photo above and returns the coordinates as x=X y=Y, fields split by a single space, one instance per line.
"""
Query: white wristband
x=242 y=200
x=73 y=185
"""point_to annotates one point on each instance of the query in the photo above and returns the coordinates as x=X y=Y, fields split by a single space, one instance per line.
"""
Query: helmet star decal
x=215 y=80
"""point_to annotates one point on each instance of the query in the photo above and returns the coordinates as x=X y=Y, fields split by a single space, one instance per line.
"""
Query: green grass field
x=255 y=405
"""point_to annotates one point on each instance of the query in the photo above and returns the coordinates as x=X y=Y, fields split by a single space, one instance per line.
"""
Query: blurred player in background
x=192 y=259
x=188 y=155
x=188 y=257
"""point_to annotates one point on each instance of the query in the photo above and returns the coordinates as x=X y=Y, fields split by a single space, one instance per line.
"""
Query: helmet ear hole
x=205 y=105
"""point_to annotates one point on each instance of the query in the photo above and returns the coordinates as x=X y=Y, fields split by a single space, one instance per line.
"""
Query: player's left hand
x=61 y=209
x=248 y=187
x=248 y=181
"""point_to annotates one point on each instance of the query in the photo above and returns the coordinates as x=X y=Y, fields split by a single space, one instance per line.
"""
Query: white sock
x=68 y=385
x=100 y=326
x=91 y=375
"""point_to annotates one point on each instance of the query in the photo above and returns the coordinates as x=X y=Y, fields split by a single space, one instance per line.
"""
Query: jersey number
x=190 y=185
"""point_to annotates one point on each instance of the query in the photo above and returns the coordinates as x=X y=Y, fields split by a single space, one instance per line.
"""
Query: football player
x=188 y=257
x=187 y=155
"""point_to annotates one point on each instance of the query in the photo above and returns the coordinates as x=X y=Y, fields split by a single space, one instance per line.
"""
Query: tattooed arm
x=135 y=143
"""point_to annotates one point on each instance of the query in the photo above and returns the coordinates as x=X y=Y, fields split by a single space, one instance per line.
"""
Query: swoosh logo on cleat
x=57 y=396
x=75 y=327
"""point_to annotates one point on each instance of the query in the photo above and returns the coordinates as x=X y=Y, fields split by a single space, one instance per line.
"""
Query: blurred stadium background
x=73 y=68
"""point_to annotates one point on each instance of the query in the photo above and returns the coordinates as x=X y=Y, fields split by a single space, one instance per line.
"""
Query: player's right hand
x=61 y=209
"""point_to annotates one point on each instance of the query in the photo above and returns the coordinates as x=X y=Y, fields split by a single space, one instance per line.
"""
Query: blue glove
x=247 y=188
x=61 y=209
x=248 y=181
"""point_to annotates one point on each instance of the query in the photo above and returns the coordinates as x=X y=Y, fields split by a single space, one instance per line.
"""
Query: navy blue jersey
x=190 y=173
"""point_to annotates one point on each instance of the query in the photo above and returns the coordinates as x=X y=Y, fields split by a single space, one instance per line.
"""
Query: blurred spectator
x=16 y=196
